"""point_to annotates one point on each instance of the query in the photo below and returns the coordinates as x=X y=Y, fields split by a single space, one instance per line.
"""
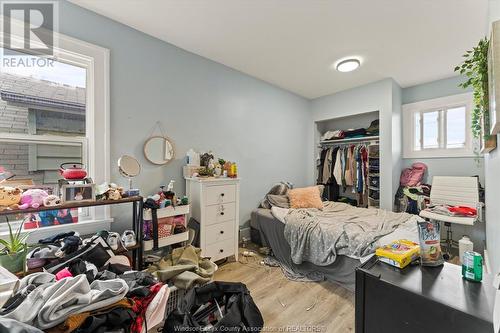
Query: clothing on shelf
x=355 y=133
x=333 y=135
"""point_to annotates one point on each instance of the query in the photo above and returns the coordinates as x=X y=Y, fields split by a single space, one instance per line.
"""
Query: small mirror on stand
x=129 y=168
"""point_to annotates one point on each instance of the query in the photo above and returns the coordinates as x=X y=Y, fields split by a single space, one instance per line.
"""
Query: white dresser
x=215 y=204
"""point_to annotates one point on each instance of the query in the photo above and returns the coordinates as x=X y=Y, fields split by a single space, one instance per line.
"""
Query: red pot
x=72 y=171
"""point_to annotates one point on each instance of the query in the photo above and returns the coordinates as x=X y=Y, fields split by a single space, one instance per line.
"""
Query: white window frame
x=96 y=144
x=443 y=103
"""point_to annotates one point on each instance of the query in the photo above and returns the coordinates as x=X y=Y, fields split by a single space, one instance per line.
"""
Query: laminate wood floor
x=289 y=306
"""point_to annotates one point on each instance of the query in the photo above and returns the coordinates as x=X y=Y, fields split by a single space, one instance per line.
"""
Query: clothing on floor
x=155 y=312
x=52 y=303
x=141 y=305
x=184 y=267
x=80 y=322
x=14 y=326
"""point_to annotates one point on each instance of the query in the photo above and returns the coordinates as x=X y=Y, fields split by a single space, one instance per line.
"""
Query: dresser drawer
x=219 y=250
x=220 y=194
x=219 y=232
x=220 y=213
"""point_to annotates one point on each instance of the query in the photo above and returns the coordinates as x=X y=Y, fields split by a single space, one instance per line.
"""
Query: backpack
x=413 y=176
x=228 y=304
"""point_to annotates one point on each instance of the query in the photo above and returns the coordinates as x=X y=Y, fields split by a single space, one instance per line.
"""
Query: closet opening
x=348 y=159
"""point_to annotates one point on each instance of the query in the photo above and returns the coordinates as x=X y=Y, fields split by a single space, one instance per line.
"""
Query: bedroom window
x=438 y=128
x=54 y=113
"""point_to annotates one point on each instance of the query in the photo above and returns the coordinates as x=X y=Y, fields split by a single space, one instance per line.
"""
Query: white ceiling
x=293 y=43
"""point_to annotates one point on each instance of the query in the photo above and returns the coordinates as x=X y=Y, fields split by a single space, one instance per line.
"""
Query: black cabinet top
x=443 y=284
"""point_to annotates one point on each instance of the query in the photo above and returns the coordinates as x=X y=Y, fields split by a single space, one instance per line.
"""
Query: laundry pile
x=184 y=267
x=412 y=195
x=90 y=289
x=94 y=301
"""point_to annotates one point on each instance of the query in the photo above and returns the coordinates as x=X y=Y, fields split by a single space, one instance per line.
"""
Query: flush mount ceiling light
x=348 y=65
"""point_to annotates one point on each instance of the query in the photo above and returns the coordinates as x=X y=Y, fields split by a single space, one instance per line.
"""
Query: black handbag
x=216 y=307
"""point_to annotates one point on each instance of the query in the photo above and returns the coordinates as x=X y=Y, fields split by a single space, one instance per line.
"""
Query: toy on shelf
x=32 y=198
x=9 y=197
x=51 y=201
x=110 y=191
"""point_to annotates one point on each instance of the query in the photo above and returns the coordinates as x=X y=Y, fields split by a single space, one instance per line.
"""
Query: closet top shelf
x=349 y=140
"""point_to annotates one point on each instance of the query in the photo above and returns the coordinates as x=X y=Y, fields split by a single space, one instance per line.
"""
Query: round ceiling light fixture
x=348 y=65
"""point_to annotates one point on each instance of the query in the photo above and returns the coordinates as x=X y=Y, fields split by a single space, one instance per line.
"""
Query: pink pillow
x=306 y=197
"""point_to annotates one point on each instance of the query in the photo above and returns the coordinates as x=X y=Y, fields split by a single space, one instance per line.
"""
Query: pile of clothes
x=412 y=195
x=372 y=130
x=94 y=301
x=184 y=267
x=91 y=289
x=344 y=166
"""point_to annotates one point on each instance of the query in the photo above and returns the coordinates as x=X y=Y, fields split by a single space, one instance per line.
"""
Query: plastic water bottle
x=464 y=244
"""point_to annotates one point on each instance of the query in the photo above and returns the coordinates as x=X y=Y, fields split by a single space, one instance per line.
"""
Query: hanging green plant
x=475 y=69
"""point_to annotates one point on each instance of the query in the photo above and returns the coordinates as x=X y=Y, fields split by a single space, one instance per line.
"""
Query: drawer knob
x=221 y=213
x=221 y=250
x=222 y=194
x=221 y=232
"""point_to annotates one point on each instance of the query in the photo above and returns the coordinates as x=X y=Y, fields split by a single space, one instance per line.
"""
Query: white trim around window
x=414 y=111
x=96 y=145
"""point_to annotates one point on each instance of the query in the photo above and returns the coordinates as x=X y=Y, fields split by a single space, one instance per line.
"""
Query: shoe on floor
x=114 y=241
x=128 y=238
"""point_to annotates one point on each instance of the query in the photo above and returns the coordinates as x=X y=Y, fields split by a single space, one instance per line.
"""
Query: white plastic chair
x=454 y=191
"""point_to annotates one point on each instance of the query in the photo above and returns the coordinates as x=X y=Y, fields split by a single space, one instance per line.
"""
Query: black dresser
x=421 y=299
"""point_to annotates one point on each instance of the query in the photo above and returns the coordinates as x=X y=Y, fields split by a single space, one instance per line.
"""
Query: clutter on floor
x=215 y=307
x=86 y=287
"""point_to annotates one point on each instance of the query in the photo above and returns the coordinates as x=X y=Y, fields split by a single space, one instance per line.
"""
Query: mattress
x=272 y=233
x=342 y=271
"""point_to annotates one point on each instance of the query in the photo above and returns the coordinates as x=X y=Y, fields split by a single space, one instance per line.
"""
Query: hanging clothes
x=346 y=166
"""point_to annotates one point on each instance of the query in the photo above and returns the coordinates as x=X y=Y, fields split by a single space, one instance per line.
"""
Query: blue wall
x=434 y=89
x=202 y=104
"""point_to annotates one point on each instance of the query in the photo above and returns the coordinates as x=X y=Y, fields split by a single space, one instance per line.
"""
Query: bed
x=268 y=230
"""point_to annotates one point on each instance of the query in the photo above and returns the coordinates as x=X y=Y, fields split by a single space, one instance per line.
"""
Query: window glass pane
x=37 y=162
x=431 y=129
x=41 y=96
x=417 y=139
x=456 y=127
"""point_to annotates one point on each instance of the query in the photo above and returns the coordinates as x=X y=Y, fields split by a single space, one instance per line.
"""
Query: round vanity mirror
x=159 y=150
x=128 y=166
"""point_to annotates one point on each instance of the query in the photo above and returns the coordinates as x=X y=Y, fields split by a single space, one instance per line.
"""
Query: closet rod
x=346 y=142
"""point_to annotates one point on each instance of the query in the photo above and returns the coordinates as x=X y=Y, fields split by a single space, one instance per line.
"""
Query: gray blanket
x=319 y=236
